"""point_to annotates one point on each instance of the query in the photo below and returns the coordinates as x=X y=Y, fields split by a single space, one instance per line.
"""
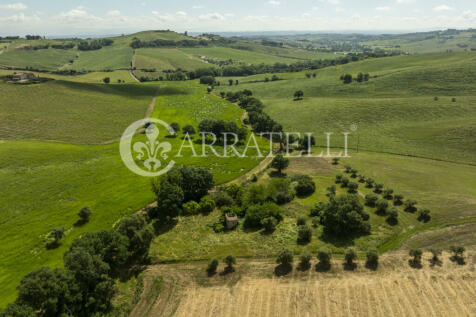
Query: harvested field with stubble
x=395 y=289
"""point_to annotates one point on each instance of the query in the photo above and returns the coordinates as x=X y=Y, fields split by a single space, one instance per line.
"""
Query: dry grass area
x=395 y=289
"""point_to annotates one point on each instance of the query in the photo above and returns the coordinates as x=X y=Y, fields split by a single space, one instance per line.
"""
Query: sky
x=101 y=17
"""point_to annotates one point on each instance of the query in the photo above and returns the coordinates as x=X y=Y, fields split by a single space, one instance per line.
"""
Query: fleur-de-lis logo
x=151 y=154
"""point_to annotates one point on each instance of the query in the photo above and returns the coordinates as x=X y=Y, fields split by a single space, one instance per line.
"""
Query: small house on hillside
x=231 y=221
x=23 y=77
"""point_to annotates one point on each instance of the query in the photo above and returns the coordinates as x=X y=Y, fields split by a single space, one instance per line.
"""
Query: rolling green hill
x=395 y=111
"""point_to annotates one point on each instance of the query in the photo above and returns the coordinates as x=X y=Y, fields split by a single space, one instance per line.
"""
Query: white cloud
x=20 y=18
x=197 y=7
x=315 y=8
x=404 y=1
x=114 y=13
x=442 y=7
x=333 y=2
x=78 y=15
x=212 y=16
x=13 y=6
x=274 y=3
x=382 y=8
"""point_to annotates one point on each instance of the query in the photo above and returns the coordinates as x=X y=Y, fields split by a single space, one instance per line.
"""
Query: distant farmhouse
x=23 y=77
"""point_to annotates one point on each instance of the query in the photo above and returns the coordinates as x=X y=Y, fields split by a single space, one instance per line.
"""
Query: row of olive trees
x=457 y=256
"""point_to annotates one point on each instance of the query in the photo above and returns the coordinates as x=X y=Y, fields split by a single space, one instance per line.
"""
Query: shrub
x=352 y=187
x=301 y=221
x=207 y=80
x=191 y=208
x=350 y=255
x=369 y=183
x=212 y=267
x=424 y=215
x=416 y=254
x=207 y=204
x=305 y=261
x=339 y=178
x=188 y=129
x=345 y=216
x=223 y=199
x=372 y=258
x=269 y=224
x=353 y=173
x=106 y=80
x=304 y=234
x=256 y=213
x=398 y=199
x=335 y=161
x=378 y=188
x=361 y=178
x=388 y=194
x=410 y=205
x=230 y=260
x=371 y=199
x=348 y=169
x=305 y=185
x=54 y=238
x=435 y=260
x=324 y=257
x=285 y=257
x=331 y=191
x=317 y=209
x=382 y=206
x=392 y=218
x=84 y=214
x=458 y=254
x=315 y=222
x=344 y=182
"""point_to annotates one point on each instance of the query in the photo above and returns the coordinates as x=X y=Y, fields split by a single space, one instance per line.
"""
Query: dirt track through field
x=394 y=289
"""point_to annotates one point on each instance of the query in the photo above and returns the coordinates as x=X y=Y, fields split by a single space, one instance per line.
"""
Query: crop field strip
x=402 y=293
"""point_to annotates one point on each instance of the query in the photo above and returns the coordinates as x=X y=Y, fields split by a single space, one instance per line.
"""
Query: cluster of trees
x=178 y=187
x=94 y=44
x=65 y=46
x=37 y=47
x=457 y=256
x=220 y=128
x=85 y=286
x=10 y=38
x=137 y=43
x=33 y=37
x=229 y=260
x=347 y=78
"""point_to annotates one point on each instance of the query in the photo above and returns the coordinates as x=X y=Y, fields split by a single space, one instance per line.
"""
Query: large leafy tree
x=139 y=233
x=345 y=216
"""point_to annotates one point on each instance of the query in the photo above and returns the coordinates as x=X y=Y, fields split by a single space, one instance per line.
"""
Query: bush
x=230 y=260
x=191 y=208
x=324 y=257
x=317 y=209
x=397 y=199
x=388 y=194
x=353 y=173
x=188 y=129
x=344 y=182
x=207 y=80
x=269 y=224
x=212 y=267
x=305 y=261
x=416 y=254
x=370 y=200
x=304 y=234
x=339 y=178
x=106 y=80
x=361 y=178
x=382 y=206
x=392 y=218
x=424 y=215
x=369 y=183
x=301 y=221
x=345 y=216
x=305 y=185
x=331 y=191
x=207 y=204
x=372 y=258
x=335 y=161
x=350 y=255
x=352 y=187
x=435 y=260
x=378 y=188
x=84 y=214
x=256 y=213
x=410 y=205
x=285 y=257
x=315 y=222
x=280 y=163
x=348 y=169
x=458 y=254
x=223 y=199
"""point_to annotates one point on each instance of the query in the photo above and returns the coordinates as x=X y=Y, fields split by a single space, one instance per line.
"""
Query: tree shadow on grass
x=349 y=266
x=323 y=267
x=458 y=259
x=283 y=269
x=338 y=241
x=435 y=262
x=162 y=226
x=227 y=270
x=80 y=223
x=276 y=174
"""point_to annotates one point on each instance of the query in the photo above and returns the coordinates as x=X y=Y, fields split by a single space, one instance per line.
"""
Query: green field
x=394 y=112
x=166 y=59
x=46 y=183
x=107 y=58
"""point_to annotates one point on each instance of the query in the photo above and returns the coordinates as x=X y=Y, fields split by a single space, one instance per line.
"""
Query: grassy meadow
x=395 y=111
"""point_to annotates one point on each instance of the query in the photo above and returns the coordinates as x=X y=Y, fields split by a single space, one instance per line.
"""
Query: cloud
x=13 y=6
x=20 y=18
x=382 y=8
x=197 y=7
x=274 y=3
x=442 y=7
x=77 y=15
x=114 y=13
x=211 y=16
x=333 y=2
x=315 y=8
x=404 y=1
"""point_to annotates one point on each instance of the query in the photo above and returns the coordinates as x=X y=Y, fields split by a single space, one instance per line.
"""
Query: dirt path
x=131 y=72
x=151 y=107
